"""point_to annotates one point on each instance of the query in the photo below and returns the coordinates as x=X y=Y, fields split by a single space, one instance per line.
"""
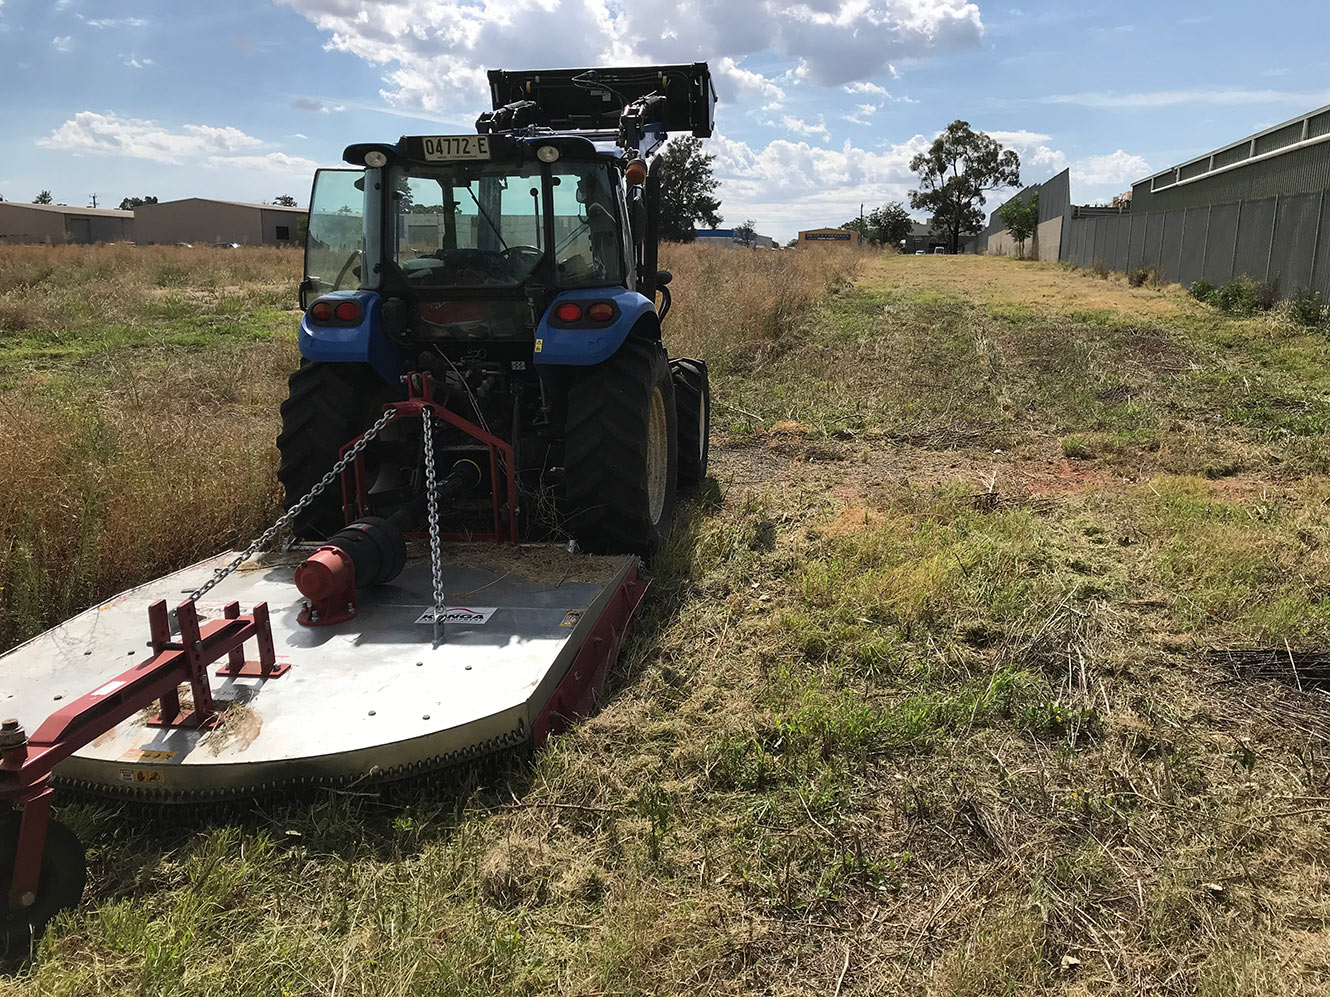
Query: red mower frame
x=26 y=761
x=420 y=396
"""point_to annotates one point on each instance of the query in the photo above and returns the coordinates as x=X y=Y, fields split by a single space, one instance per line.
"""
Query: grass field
x=926 y=698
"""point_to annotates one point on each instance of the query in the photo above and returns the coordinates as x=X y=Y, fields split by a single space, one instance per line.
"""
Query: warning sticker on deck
x=570 y=620
x=141 y=775
x=476 y=617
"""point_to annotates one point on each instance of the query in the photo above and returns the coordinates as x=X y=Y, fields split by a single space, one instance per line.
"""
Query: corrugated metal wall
x=1284 y=238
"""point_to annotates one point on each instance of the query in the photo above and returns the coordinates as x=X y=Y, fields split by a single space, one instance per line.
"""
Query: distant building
x=205 y=221
x=57 y=224
x=921 y=237
x=725 y=237
x=828 y=237
x=1046 y=242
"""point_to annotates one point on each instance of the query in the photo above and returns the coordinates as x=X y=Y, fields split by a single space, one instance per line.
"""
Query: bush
x=1244 y=296
x=1139 y=276
x=1202 y=290
x=1100 y=270
x=1307 y=308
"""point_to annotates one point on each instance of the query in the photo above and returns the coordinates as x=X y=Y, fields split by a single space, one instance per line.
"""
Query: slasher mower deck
x=528 y=635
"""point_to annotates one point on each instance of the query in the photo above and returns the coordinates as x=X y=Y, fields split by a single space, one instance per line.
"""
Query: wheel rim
x=658 y=456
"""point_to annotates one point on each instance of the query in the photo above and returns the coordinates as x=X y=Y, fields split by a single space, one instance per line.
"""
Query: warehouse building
x=1257 y=206
x=57 y=224
x=1046 y=244
x=727 y=238
x=201 y=220
x=828 y=237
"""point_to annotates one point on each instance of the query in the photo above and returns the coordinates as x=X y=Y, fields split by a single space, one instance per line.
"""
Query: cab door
x=334 y=234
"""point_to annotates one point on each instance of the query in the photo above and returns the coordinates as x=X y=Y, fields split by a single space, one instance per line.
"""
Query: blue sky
x=823 y=102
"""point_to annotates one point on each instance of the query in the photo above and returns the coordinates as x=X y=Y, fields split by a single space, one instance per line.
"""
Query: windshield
x=483 y=224
x=469 y=224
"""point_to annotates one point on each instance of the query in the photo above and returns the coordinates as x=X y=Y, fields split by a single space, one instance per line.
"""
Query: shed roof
x=234 y=204
x=65 y=209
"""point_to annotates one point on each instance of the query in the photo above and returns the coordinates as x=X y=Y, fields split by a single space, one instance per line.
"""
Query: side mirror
x=306 y=286
x=663 y=277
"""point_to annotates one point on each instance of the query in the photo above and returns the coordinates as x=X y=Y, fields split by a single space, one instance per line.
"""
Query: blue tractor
x=511 y=275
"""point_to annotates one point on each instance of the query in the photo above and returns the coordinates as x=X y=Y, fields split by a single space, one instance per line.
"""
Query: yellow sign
x=539 y=343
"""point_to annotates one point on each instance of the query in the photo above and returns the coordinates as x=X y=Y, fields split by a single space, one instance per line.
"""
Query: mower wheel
x=59 y=886
x=328 y=405
x=692 y=400
x=621 y=452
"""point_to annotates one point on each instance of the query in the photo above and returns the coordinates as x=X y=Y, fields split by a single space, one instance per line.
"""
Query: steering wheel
x=526 y=250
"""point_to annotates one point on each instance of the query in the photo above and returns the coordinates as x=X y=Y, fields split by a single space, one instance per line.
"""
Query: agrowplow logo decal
x=461 y=614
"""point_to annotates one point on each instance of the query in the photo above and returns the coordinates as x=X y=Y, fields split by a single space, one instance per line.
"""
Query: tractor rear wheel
x=692 y=400
x=328 y=405
x=621 y=452
x=59 y=884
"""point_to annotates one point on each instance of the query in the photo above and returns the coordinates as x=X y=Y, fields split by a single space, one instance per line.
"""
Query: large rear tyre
x=621 y=452
x=59 y=885
x=327 y=405
x=692 y=400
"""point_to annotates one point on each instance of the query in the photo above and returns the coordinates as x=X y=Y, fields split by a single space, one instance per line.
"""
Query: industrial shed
x=1257 y=206
x=1054 y=202
x=828 y=237
x=205 y=221
x=56 y=224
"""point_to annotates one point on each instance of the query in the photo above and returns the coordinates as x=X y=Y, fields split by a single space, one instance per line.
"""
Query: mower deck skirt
x=369 y=699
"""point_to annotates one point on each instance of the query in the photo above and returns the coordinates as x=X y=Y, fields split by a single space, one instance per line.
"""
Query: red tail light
x=347 y=311
x=601 y=311
x=569 y=313
x=321 y=311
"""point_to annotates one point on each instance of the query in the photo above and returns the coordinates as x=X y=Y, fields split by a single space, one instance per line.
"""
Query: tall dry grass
x=54 y=289
x=731 y=303
x=145 y=454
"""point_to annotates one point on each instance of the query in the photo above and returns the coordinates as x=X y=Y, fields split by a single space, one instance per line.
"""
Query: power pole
x=94 y=201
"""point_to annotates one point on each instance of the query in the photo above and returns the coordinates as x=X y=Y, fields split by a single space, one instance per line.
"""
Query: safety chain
x=432 y=504
x=221 y=573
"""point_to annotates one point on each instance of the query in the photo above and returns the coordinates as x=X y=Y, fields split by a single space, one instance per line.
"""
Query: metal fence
x=1285 y=238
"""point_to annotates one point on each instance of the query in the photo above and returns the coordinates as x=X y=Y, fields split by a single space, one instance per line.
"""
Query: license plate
x=439 y=147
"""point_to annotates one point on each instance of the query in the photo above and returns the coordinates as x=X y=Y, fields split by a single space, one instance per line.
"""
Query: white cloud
x=863 y=113
x=748 y=81
x=861 y=86
x=90 y=133
x=133 y=62
x=104 y=23
x=792 y=185
x=315 y=106
x=62 y=43
x=434 y=52
x=273 y=162
x=1115 y=168
x=1174 y=98
x=1019 y=138
x=800 y=127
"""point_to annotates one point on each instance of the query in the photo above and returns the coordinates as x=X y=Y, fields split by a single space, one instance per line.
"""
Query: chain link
x=221 y=573
x=432 y=504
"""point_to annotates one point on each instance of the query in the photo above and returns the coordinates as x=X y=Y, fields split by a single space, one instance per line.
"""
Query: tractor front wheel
x=621 y=452
x=692 y=398
x=59 y=885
